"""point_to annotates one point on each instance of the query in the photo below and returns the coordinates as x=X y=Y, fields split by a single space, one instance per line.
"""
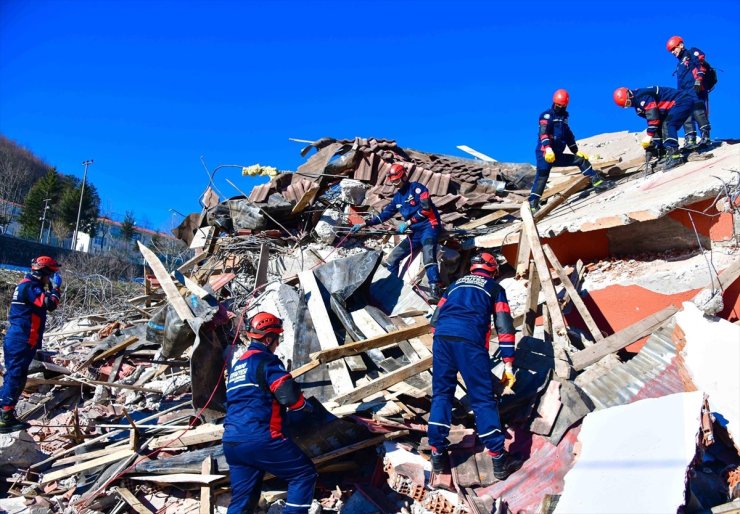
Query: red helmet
x=561 y=97
x=673 y=42
x=396 y=173
x=484 y=262
x=44 y=262
x=622 y=97
x=264 y=323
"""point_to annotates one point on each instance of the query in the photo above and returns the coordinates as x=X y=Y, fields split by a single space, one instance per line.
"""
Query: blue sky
x=147 y=88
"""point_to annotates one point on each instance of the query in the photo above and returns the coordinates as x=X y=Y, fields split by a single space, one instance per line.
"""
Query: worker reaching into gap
x=38 y=293
x=462 y=328
x=665 y=109
x=259 y=391
x=690 y=77
x=553 y=137
x=414 y=203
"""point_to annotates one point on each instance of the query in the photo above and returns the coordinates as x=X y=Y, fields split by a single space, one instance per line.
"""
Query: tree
x=70 y=202
x=47 y=186
x=128 y=227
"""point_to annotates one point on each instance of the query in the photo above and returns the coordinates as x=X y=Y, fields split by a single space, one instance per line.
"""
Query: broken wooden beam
x=165 y=282
x=384 y=381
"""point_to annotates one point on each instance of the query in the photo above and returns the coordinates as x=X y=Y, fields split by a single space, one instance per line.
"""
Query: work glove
x=56 y=280
x=697 y=86
x=356 y=228
x=402 y=227
x=508 y=378
x=582 y=155
x=549 y=155
x=646 y=142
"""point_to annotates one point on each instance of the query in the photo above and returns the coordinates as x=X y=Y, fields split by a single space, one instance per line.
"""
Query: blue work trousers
x=544 y=168
x=449 y=357
x=248 y=462
x=426 y=238
x=18 y=357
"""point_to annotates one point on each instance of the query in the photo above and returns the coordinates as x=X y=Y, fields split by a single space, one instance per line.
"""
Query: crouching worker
x=462 y=328
x=259 y=391
x=27 y=316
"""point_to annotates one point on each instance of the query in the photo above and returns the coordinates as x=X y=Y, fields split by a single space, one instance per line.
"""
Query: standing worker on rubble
x=258 y=393
x=665 y=109
x=462 y=328
x=553 y=137
x=690 y=77
x=414 y=203
x=38 y=293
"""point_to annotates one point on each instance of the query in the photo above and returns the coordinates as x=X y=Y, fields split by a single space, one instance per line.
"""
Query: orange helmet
x=396 y=173
x=264 y=323
x=484 y=262
x=622 y=97
x=673 y=42
x=45 y=263
x=561 y=97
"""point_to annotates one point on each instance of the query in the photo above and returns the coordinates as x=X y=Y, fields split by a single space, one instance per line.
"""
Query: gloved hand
x=356 y=228
x=402 y=227
x=549 y=155
x=697 y=86
x=56 y=280
x=582 y=155
x=508 y=378
x=646 y=142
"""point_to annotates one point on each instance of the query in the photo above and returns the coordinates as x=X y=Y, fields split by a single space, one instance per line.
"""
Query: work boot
x=504 y=465
x=705 y=141
x=534 y=206
x=434 y=293
x=9 y=423
x=440 y=462
x=599 y=184
x=672 y=159
x=689 y=142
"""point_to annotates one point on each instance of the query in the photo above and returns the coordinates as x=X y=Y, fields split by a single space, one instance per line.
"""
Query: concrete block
x=353 y=191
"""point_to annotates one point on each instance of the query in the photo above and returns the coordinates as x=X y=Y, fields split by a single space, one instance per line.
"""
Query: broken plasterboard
x=634 y=457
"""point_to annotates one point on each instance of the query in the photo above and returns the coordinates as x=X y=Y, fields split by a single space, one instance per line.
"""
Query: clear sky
x=145 y=88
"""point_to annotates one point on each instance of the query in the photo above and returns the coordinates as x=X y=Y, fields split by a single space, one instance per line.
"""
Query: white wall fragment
x=634 y=457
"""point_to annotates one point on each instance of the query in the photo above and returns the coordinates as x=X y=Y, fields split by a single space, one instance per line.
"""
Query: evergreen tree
x=70 y=203
x=128 y=226
x=47 y=186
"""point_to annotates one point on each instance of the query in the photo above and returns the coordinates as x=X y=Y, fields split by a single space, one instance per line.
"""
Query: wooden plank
x=548 y=409
x=89 y=455
x=190 y=263
x=202 y=434
x=206 y=503
x=32 y=381
x=622 y=338
x=561 y=194
x=105 y=459
x=132 y=500
x=179 y=478
x=264 y=259
x=533 y=294
x=306 y=200
x=385 y=381
x=574 y=296
x=581 y=181
x=358 y=446
x=488 y=218
x=166 y=283
x=561 y=343
x=111 y=351
x=523 y=252
x=338 y=372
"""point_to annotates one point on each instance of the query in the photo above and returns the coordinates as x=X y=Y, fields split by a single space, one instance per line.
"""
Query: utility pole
x=43 y=219
x=79 y=209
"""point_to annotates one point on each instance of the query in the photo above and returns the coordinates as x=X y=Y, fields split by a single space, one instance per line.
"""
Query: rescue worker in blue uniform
x=553 y=137
x=665 y=109
x=689 y=73
x=38 y=293
x=259 y=391
x=413 y=202
x=462 y=328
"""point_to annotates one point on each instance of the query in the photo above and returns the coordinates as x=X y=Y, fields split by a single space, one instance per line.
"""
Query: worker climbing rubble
x=37 y=293
x=413 y=202
x=553 y=137
x=692 y=77
x=462 y=323
x=259 y=391
x=665 y=109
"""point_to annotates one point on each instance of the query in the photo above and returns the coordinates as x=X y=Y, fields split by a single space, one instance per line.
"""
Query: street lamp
x=79 y=209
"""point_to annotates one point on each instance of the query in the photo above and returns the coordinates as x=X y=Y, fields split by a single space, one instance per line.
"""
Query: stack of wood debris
x=127 y=416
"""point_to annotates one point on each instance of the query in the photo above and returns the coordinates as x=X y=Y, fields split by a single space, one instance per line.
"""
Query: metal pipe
x=79 y=209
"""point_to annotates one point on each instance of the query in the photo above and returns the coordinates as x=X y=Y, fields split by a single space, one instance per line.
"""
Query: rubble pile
x=127 y=411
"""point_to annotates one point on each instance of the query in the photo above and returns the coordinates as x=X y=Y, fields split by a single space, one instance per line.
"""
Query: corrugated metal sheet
x=658 y=370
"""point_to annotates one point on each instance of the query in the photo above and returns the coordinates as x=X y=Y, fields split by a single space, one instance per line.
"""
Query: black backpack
x=710 y=77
